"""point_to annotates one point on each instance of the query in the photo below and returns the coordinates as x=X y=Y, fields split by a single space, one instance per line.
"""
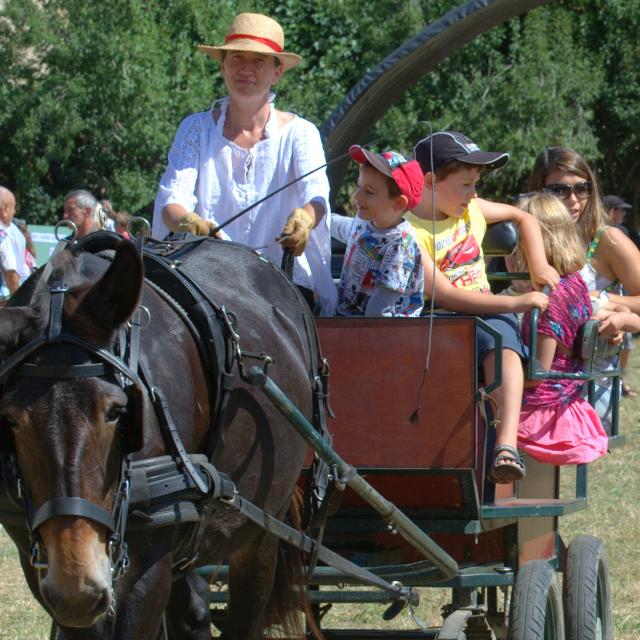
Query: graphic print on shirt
x=462 y=264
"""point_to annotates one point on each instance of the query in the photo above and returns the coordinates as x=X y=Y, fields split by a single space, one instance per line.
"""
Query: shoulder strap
x=593 y=245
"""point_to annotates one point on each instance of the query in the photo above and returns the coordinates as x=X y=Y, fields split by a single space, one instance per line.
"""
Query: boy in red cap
x=382 y=269
x=449 y=224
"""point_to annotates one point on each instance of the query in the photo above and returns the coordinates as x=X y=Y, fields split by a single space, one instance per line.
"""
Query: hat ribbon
x=270 y=43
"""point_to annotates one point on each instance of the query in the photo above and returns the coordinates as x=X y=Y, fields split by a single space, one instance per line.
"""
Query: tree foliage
x=93 y=92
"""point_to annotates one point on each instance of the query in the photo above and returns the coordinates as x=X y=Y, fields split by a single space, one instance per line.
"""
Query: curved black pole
x=379 y=89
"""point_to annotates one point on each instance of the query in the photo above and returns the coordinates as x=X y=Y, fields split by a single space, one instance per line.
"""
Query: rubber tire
x=536 y=611
x=587 y=591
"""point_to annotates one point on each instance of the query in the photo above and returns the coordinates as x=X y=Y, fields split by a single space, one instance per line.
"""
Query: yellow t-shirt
x=456 y=247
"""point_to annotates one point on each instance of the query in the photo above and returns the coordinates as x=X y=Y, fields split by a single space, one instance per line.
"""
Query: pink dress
x=557 y=425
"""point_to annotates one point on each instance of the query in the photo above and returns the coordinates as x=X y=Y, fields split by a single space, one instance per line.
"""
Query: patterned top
x=388 y=258
x=596 y=281
x=569 y=308
x=456 y=247
x=211 y=175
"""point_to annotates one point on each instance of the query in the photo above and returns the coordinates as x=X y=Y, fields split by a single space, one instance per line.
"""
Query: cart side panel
x=377 y=367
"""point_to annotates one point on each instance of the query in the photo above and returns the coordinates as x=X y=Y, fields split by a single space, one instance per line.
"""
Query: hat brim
x=362 y=156
x=491 y=159
x=288 y=60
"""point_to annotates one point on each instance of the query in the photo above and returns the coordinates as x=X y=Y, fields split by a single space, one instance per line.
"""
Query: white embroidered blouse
x=216 y=178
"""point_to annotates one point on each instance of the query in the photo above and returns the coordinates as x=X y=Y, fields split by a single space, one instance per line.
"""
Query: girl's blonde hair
x=562 y=244
x=569 y=161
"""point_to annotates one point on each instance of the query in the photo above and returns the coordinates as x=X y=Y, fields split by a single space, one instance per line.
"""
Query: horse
x=73 y=435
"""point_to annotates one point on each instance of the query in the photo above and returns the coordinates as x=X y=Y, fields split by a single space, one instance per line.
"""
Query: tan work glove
x=298 y=227
x=193 y=223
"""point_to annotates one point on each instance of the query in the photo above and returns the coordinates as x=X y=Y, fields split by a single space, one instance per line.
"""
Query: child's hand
x=545 y=276
x=532 y=300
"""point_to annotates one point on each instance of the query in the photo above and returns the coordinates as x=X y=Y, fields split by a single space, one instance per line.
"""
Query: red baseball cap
x=407 y=174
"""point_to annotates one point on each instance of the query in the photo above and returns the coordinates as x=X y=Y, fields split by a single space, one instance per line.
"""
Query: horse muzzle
x=76 y=587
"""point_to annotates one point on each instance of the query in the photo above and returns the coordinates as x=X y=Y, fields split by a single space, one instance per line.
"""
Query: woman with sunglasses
x=612 y=260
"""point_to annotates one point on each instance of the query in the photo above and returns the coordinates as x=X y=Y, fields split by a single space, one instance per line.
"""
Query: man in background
x=13 y=264
x=82 y=208
x=617 y=209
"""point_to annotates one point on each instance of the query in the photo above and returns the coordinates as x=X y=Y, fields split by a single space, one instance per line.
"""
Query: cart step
x=531 y=507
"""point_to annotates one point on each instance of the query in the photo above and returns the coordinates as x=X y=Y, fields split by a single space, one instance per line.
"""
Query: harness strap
x=88 y=370
x=169 y=426
x=214 y=334
x=57 y=290
x=71 y=506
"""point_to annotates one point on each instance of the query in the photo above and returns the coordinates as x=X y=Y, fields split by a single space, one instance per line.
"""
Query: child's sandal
x=506 y=469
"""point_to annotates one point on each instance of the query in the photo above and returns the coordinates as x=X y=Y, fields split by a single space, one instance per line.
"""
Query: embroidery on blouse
x=190 y=149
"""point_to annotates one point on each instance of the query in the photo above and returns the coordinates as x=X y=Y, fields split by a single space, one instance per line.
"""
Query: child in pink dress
x=557 y=425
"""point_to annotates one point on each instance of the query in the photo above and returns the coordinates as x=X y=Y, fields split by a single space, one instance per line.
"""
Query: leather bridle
x=91 y=361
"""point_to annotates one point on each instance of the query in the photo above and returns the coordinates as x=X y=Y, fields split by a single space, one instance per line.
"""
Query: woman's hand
x=296 y=231
x=193 y=223
x=613 y=324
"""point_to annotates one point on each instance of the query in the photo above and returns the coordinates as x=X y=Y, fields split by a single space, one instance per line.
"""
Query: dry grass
x=613 y=515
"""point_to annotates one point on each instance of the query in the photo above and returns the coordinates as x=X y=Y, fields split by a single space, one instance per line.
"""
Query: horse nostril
x=102 y=604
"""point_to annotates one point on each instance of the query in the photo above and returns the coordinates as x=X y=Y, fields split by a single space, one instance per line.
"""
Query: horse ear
x=113 y=299
x=14 y=321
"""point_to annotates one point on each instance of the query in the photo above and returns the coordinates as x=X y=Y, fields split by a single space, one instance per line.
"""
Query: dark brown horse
x=71 y=434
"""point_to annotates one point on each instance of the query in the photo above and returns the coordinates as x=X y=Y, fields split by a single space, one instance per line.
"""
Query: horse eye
x=115 y=413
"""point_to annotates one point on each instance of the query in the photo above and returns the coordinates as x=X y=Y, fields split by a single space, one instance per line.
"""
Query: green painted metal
x=531 y=509
x=497 y=341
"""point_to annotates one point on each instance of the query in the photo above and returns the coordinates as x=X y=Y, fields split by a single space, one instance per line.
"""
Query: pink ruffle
x=567 y=433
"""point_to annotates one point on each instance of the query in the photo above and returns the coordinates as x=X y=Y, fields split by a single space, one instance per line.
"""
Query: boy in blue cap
x=449 y=224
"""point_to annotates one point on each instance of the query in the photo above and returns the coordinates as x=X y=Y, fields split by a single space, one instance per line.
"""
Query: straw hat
x=257 y=33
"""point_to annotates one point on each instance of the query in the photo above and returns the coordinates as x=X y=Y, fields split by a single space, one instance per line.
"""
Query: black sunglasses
x=582 y=190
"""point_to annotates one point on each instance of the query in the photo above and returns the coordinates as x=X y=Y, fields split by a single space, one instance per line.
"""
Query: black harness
x=180 y=487
x=190 y=486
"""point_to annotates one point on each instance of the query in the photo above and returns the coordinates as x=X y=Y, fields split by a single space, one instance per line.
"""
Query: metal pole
x=417 y=538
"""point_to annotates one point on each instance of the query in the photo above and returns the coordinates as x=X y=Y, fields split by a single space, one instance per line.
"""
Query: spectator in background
x=110 y=220
x=81 y=208
x=12 y=247
x=617 y=210
x=121 y=223
x=30 y=256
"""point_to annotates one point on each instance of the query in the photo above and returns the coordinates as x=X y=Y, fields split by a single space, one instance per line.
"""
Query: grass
x=613 y=515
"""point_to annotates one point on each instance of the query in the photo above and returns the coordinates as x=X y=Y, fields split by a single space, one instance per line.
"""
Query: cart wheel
x=536 y=604
x=587 y=591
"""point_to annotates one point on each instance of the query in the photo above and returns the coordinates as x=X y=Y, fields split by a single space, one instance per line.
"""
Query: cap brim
x=288 y=60
x=486 y=159
x=362 y=156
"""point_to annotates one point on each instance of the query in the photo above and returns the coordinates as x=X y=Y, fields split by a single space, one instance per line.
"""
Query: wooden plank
x=377 y=367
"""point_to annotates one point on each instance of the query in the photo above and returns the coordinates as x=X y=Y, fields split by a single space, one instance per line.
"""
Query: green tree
x=93 y=93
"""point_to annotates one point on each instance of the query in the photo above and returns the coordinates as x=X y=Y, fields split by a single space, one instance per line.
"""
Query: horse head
x=67 y=428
